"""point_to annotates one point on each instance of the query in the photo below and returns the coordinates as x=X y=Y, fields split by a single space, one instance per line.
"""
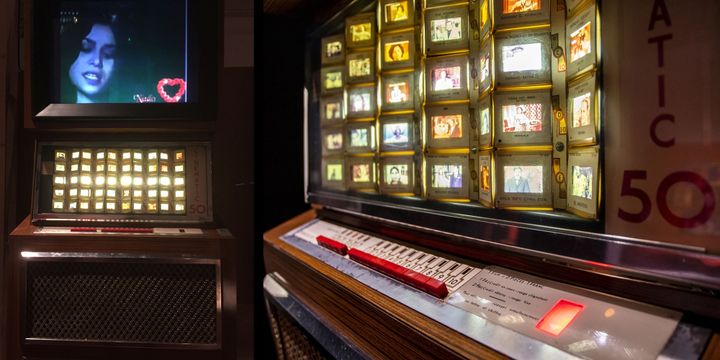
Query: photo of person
x=360 y=102
x=333 y=80
x=359 y=137
x=524 y=117
x=360 y=32
x=447 y=176
x=397 y=51
x=396 y=133
x=582 y=181
x=523 y=179
x=446 y=126
x=581 y=110
x=446 y=29
x=93 y=69
x=333 y=111
x=396 y=174
x=396 y=11
x=335 y=172
x=484 y=67
x=580 y=42
x=361 y=173
x=525 y=57
x=485 y=121
x=485 y=178
x=518 y=6
x=333 y=49
x=333 y=141
x=359 y=67
x=446 y=78
x=397 y=92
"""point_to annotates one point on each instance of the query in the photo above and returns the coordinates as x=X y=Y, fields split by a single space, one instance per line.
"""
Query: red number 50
x=680 y=176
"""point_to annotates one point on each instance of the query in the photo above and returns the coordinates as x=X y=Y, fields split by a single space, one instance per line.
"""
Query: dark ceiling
x=315 y=11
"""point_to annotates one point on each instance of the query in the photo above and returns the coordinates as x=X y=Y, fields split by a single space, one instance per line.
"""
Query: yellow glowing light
x=152 y=155
x=60 y=155
x=164 y=168
x=125 y=180
x=73 y=192
x=112 y=167
x=73 y=179
x=152 y=206
x=179 y=155
x=179 y=207
x=137 y=156
x=126 y=206
x=138 y=181
x=59 y=167
x=180 y=181
x=57 y=205
x=164 y=193
x=126 y=193
x=59 y=180
x=180 y=193
x=165 y=181
x=74 y=167
x=111 y=193
x=85 y=180
x=164 y=207
x=84 y=205
x=86 y=167
x=137 y=193
x=137 y=168
x=100 y=180
x=84 y=192
x=163 y=156
x=179 y=168
x=137 y=206
x=72 y=205
x=110 y=206
x=101 y=155
x=152 y=193
x=126 y=168
x=610 y=312
x=59 y=192
x=86 y=155
x=112 y=181
x=112 y=155
x=100 y=167
x=152 y=181
x=98 y=206
x=126 y=155
x=152 y=168
x=99 y=192
x=76 y=155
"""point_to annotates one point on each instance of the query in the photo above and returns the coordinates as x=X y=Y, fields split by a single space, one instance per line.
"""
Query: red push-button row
x=332 y=245
x=415 y=279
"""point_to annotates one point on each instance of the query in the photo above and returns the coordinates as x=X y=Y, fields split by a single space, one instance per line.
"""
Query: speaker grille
x=122 y=302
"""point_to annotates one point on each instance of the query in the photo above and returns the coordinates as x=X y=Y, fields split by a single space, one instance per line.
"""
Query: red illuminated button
x=415 y=279
x=332 y=245
x=559 y=317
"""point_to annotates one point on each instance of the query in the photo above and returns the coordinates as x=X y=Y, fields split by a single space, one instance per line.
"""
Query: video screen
x=446 y=78
x=446 y=29
x=397 y=11
x=333 y=110
x=396 y=174
x=446 y=126
x=397 y=51
x=359 y=67
x=582 y=181
x=485 y=121
x=527 y=179
x=580 y=42
x=333 y=141
x=581 y=110
x=334 y=172
x=359 y=137
x=518 y=6
x=485 y=178
x=361 y=173
x=122 y=53
x=396 y=92
x=522 y=57
x=447 y=176
x=397 y=133
x=484 y=67
x=333 y=80
x=333 y=49
x=525 y=117
x=360 y=32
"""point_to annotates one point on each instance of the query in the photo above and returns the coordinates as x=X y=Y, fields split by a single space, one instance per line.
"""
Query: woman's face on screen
x=93 y=68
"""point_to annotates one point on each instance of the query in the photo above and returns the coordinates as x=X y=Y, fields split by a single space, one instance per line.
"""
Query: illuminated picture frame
x=360 y=67
x=332 y=79
x=448 y=126
x=332 y=109
x=333 y=173
x=522 y=118
x=398 y=132
x=582 y=115
x=584 y=180
x=448 y=177
x=485 y=178
x=446 y=78
x=398 y=50
x=361 y=102
x=360 y=137
x=521 y=12
x=446 y=30
x=522 y=57
x=360 y=30
x=523 y=180
x=398 y=92
x=484 y=117
x=332 y=50
x=581 y=42
x=396 y=14
x=332 y=140
x=360 y=173
x=398 y=175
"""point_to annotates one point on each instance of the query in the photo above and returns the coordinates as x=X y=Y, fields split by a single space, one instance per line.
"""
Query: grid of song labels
x=119 y=181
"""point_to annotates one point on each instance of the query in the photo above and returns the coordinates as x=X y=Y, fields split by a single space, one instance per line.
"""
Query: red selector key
x=415 y=279
x=332 y=245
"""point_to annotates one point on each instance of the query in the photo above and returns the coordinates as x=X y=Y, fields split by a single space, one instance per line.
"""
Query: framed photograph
x=446 y=29
x=360 y=30
x=447 y=78
x=484 y=18
x=522 y=118
x=398 y=92
x=485 y=178
x=360 y=67
x=484 y=118
x=360 y=173
x=397 y=132
x=333 y=140
x=448 y=126
x=398 y=175
x=519 y=12
x=582 y=115
x=331 y=109
x=581 y=42
x=583 y=184
x=332 y=79
x=332 y=50
x=522 y=58
x=523 y=180
x=360 y=138
x=485 y=67
x=398 y=50
x=333 y=173
x=361 y=102
x=448 y=177
x=396 y=14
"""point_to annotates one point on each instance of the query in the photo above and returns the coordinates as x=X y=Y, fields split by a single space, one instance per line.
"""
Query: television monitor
x=581 y=42
x=510 y=13
x=332 y=79
x=360 y=30
x=448 y=177
x=333 y=173
x=448 y=126
x=398 y=92
x=485 y=178
x=447 y=78
x=523 y=180
x=522 y=118
x=522 y=57
x=582 y=115
x=332 y=109
x=397 y=132
x=361 y=173
x=360 y=137
x=398 y=50
x=360 y=67
x=332 y=50
x=446 y=29
x=397 y=175
x=361 y=102
x=332 y=140
x=92 y=60
x=584 y=181
x=156 y=182
x=484 y=118
x=396 y=14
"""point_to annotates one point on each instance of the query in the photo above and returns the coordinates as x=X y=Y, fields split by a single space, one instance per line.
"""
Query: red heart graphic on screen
x=171 y=82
